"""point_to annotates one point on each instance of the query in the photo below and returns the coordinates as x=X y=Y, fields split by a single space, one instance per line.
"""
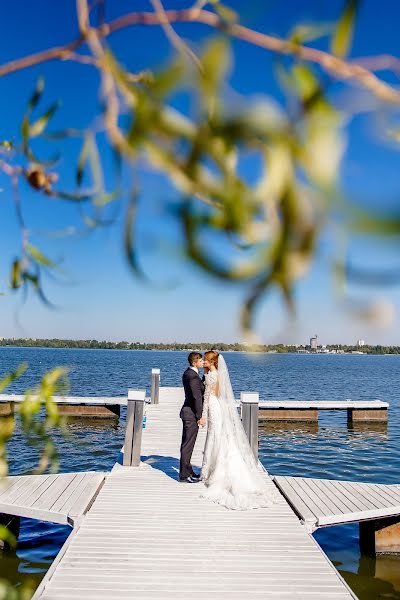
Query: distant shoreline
x=201 y=346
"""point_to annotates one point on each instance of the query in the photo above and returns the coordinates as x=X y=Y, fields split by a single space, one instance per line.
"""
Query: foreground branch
x=336 y=67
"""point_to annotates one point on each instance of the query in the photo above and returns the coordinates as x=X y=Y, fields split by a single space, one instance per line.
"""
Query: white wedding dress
x=230 y=472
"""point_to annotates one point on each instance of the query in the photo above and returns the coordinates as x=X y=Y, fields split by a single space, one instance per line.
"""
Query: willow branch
x=336 y=67
x=171 y=34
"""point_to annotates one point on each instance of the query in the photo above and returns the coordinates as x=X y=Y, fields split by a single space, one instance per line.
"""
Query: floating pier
x=72 y=406
x=140 y=533
x=308 y=410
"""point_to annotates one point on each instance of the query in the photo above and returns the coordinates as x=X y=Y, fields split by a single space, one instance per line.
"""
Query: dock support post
x=249 y=408
x=155 y=386
x=365 y=415
x=134 y=425
x=380 y=536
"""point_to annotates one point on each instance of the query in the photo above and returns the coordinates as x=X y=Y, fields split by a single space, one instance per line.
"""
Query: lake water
x=332 y=449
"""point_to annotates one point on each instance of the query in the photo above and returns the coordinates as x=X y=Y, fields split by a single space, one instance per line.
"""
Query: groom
x=191 y=415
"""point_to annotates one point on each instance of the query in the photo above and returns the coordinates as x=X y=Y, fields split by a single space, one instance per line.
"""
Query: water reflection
x=77 y=424
x=287 y=428
x=370 y=430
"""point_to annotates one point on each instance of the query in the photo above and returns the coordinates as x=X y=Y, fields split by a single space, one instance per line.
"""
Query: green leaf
x=342 y=38
x=72 y=196
x=82 y=160
x=16 y=270
x=37 y=94
x=39 y=126
x=25 y=131
x=104 y=199
x=129 y=235
x=216 y=61
x=309 y=32
x=7 y=536
x=38 y=256
x=306 y=83
x=8 y=379
x=166 y=80
x=225 y=12
x=6 y=144
x=95 y=166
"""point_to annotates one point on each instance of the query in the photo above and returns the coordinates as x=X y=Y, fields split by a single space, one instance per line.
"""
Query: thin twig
x=82 y=12
x=171 y=34
x=384 y=62
x=336 y=67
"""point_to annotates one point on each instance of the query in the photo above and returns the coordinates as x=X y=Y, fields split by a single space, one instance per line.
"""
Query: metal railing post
x=134 y=425
x=249 y=410
x=155 y=386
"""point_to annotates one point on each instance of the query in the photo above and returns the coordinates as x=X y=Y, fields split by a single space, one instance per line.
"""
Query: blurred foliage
x=269 y=228
x=38 y=416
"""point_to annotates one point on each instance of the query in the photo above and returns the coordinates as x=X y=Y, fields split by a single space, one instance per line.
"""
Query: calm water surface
x=369 y=453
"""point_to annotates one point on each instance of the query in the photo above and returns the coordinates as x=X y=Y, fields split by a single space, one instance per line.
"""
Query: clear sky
x=97 y=296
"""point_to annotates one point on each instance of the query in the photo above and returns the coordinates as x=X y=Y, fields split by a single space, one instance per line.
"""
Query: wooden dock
x=139 y=533
x=61 y=498
x=324 y=502
x=148 y=536
x=308 y=410
x=95 y=407
x=271 y=410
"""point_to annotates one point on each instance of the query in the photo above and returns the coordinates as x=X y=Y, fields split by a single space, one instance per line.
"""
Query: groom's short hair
x=193 y=356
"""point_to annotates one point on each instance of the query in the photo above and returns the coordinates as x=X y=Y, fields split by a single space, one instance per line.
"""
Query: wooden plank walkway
x=323 y=502
x=62 y=498
x=147 y=536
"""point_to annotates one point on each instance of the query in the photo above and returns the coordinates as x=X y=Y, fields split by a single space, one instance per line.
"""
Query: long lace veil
x=231 y=424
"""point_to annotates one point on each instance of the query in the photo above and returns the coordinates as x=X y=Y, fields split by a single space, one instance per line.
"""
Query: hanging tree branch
x=336 y=67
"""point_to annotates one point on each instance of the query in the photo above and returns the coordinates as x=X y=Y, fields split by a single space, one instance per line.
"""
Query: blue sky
x=97 y=297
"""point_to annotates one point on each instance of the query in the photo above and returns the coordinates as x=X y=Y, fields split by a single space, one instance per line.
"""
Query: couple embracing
x=230 y=472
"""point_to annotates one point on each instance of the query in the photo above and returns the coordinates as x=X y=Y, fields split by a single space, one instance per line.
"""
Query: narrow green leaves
x=8 y=379
x=216 y=61
x=38 y=256
x=16 y=279
x=80 y=168
x=342 y=38
x=37 y=94
x=40 y=124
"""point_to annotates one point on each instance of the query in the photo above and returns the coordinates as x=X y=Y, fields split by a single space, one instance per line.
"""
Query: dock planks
x=324 y=502
x=147 y=536
x=61 y=498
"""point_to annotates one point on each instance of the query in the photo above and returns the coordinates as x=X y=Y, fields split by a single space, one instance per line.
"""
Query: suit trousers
x=189 y=435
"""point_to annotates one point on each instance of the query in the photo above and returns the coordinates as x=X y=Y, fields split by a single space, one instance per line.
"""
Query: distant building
x=314 y=342
x=360 y=343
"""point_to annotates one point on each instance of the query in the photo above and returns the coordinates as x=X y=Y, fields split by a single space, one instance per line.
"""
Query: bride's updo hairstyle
x=212 y=357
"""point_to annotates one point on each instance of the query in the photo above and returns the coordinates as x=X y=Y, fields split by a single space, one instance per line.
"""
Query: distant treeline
x=202 y=346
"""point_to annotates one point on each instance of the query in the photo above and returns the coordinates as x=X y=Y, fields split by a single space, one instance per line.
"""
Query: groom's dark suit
x=190 y=414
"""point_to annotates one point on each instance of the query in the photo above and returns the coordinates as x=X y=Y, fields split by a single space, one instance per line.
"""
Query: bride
x=230 y=472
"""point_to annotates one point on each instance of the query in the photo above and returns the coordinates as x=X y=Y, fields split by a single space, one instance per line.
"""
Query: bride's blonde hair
x=212 y=356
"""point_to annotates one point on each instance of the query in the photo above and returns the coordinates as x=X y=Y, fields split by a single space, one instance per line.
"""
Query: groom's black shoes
x=195 y=476
x=189 y=479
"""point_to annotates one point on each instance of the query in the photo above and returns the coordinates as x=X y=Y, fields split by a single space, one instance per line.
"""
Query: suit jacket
x=194 y=392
